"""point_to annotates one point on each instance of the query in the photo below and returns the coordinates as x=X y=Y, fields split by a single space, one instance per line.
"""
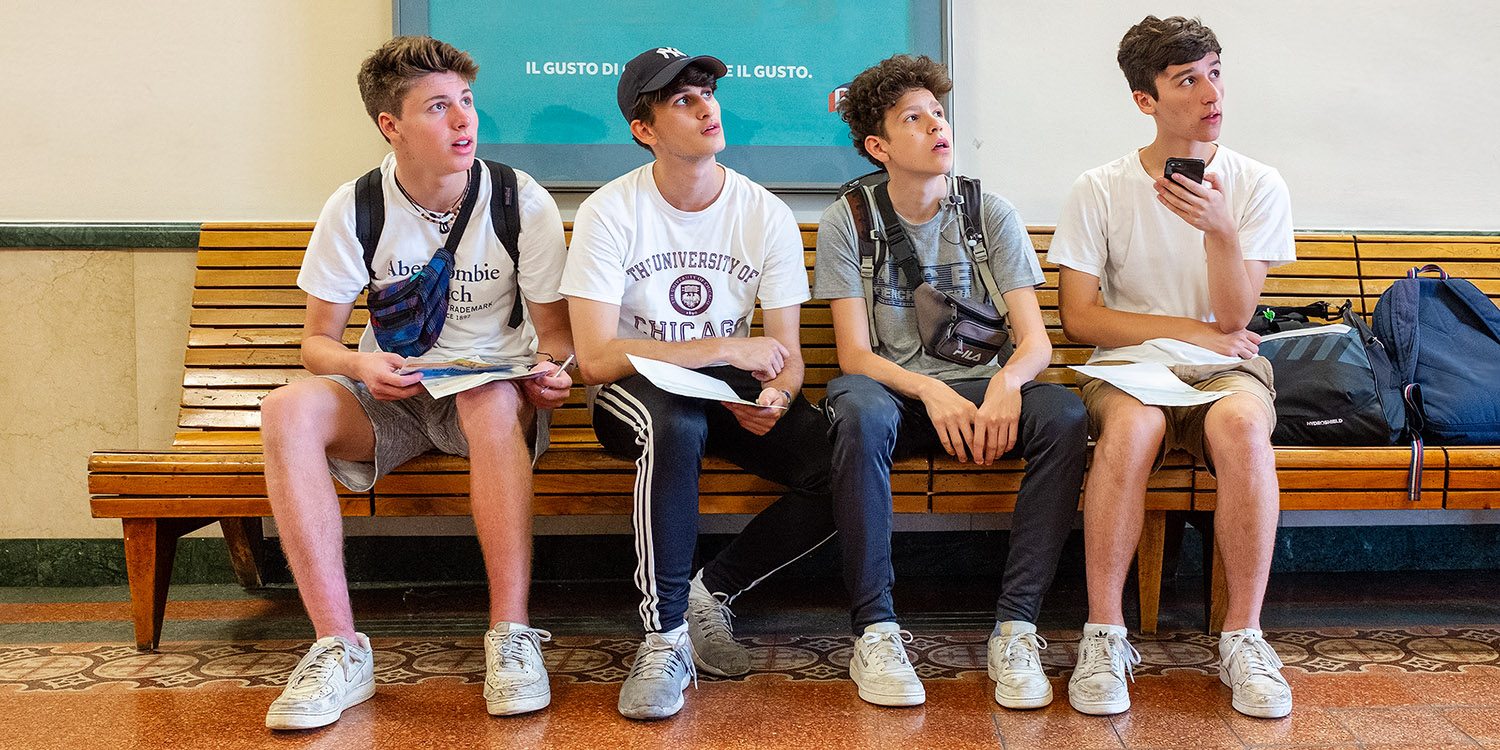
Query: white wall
x=1380 y=114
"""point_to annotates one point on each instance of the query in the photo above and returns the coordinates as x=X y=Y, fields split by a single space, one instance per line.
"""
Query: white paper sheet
x=1151 y=383
x=685 y=382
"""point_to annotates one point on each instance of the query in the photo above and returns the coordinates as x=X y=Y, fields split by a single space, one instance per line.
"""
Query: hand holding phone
x=1189 y=168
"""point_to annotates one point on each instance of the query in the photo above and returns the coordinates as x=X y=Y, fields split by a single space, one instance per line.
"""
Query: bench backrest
x=246 y=321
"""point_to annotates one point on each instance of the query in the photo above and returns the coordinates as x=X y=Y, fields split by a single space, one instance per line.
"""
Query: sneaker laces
x=663 y=658
x=883 y=649
x=1023 y=658
x=715 y=615
x=312 y=673
x=511 y=647
x=1254 y=656
x=1109 y=652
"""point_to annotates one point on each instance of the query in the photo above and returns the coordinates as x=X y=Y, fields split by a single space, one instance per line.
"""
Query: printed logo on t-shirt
x=690 y=294
x=954 y=278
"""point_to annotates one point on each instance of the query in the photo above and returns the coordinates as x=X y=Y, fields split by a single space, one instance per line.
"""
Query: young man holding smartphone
x=1181 y=265
x=667 y=263
x=895 y=398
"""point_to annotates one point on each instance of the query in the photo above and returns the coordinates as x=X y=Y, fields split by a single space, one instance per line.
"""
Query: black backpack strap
x=858 y=200
x=505 y=214
x=369 y=215
x=970 y=202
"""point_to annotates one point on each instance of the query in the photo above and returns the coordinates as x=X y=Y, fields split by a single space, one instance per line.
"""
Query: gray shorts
x=408 y=428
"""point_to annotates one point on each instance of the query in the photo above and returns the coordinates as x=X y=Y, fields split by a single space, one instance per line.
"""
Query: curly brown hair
x=1155 y=44
x=389 y=73
x=879 y=87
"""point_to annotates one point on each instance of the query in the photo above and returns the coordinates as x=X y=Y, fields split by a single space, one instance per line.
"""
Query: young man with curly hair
x=895 y=399
x=362 y=417
x=1181 y=265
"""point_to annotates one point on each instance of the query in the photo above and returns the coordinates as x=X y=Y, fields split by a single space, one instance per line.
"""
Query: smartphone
x=1189 y=168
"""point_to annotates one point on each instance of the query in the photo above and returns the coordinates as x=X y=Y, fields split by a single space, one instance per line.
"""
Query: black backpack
x=505 y=216
x=1334 y=383
x=859 y=194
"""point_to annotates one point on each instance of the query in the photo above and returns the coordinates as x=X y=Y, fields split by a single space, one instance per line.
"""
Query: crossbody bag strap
x=895 y=239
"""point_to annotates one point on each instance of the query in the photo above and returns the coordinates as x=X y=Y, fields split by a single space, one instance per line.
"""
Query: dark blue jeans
x=873 y=425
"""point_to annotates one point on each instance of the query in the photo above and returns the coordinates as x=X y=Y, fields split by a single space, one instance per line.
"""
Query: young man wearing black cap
x=667 y=263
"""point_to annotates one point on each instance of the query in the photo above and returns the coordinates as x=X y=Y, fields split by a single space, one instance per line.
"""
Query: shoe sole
x=650 y=713
x=1099 y=709
x=513 y=706
x=1021 y=701
x=881 y=699
x=1260 y=712
x=288 y=720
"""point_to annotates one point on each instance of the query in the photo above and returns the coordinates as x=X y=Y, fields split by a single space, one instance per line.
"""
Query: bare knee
x=1130 y=430
x=302 y=411
x=1238 y=430
x=495 y=409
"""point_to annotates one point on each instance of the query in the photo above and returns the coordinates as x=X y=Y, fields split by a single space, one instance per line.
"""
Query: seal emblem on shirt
x=690 y=294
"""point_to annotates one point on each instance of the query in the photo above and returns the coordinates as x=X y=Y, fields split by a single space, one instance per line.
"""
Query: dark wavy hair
x=645 y=104
x=389 y=73
x=1155 y=44
x=878 y=88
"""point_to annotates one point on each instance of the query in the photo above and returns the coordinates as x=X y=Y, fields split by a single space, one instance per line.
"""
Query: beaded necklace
x=444 y=219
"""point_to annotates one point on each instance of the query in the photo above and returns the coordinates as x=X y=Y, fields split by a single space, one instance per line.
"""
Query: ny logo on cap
x=669 y=52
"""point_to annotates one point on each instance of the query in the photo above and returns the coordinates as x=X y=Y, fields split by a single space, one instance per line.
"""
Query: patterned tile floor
x=1413 y=663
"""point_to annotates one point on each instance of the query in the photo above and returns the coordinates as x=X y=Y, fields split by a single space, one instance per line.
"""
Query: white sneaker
x=1105 y=659
x=336 y=673
x=515 y=680
x=881 y=670
x=662 y=670
x=1015 y=663
x=715 y=650
x=1250 y=667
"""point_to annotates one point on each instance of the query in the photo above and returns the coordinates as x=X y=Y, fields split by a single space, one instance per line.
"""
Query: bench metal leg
x=150 y=548
x=1148 y=565
x=243 y=537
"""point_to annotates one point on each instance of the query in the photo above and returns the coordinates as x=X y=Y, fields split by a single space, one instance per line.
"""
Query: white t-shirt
x=482 y=286
x=1149 y=260
x=680 y=275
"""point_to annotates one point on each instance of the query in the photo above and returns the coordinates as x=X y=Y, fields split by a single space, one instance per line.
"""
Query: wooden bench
x=244 y=334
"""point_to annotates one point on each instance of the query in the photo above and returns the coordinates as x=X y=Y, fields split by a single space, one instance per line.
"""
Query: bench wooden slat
x=143 y=506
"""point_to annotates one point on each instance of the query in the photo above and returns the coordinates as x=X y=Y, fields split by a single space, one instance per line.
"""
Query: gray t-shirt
x=945 y=264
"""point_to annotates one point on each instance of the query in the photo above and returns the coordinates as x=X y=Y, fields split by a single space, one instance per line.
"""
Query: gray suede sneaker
x=715 y=650
x=662 y=670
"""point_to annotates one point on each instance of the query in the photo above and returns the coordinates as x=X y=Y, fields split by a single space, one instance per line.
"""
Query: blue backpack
x=1443 y=335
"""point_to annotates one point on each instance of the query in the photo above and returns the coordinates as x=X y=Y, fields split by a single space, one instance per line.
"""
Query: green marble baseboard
x=99 y=235
x=101 y=562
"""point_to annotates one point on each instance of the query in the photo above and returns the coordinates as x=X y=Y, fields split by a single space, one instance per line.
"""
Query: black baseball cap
x=655 y=68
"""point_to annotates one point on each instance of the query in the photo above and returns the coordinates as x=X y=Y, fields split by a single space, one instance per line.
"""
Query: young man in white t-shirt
x=361 y=418
x=667 y=263
x=1181 y=266
x=896 y=399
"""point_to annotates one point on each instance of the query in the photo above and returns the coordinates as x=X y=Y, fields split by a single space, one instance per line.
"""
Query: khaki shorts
x=1184 y=428
x=409 y=427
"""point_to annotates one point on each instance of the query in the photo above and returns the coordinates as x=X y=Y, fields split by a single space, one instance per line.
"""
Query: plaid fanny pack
x=407 y=316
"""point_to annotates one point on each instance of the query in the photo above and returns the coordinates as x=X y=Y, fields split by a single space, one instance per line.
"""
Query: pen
x=562 y=366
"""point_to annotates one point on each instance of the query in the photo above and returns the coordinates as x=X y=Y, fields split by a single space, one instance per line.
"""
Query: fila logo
x=669 y=52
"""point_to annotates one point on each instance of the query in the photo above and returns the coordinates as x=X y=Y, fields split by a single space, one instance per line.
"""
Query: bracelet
x=788 y=396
